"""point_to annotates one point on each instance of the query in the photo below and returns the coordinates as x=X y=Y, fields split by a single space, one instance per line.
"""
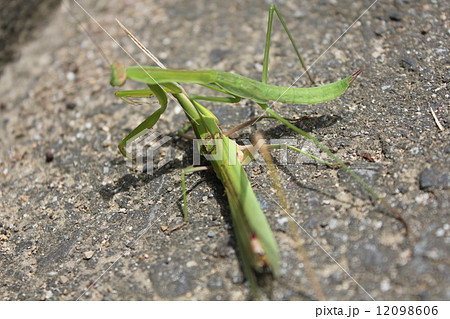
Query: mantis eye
x=118 y=74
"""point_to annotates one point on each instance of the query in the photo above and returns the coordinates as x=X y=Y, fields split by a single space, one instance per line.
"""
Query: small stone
x=380 y=28
x=426 y=28
x=70 y=105
x=385 y=285
x=88 y=254
x=218 y=55
x=48 y=294
x=422 y=198
x=191 y=264
x=440 y=232
x=408 y=64
x=282 y=220
x=164 y=228
x=70 y=76
x=300 y=14
x=311 y=224
x=49 y=156
x=63 y=279
x=211 y=235
x=433 y=254
x=237 y=277
x=434 y=179
x=333 y=223
x=395 y=16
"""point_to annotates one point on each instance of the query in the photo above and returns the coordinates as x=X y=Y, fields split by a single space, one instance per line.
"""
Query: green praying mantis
x=256 y=243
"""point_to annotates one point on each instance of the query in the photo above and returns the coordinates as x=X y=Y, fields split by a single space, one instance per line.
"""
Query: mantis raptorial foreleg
x=149 y=122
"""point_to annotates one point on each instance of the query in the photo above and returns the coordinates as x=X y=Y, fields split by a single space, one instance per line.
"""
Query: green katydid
x=256 y=243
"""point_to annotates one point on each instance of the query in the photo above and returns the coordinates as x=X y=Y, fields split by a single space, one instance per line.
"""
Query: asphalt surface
x=77 y=223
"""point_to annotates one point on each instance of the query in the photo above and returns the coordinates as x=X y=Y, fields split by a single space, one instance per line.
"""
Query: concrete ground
x=77 y=223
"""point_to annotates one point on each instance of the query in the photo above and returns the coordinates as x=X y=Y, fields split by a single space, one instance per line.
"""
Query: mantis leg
x=282 y=199
x=257 y=119
x=273 y=9
x=224 y=99
x=221 y=99
x=284 y=146
x=251 y=150
x=340 y=162
x=185 y=171
x=149 y=122
x=126 y=95
x=182 y=132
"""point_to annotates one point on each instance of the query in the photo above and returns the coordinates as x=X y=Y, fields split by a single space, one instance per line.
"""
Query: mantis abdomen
x=242 y=86
x=259 y=92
